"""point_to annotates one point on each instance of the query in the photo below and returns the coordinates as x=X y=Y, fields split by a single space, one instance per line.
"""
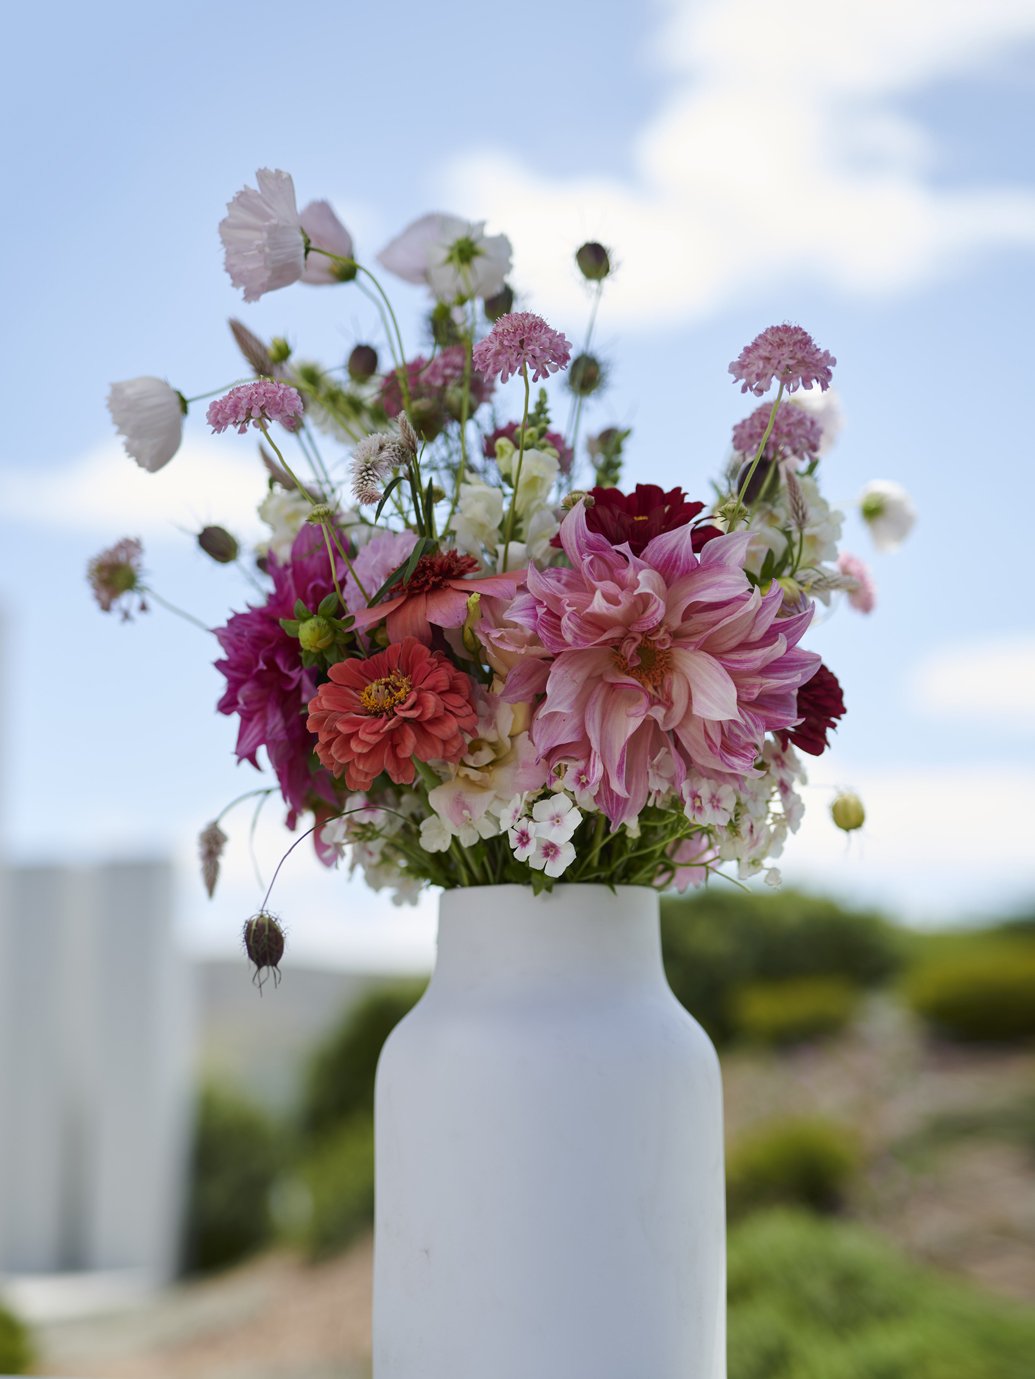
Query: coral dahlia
x=404 y=704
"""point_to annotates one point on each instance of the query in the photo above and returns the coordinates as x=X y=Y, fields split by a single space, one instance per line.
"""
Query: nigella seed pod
x=501 y=303
x=264 y=944
x=217 y=543
x=362 y=363
x=847 y=811
x=444 y=329
x=585 y=375
x=593 y=260
x=763 y=481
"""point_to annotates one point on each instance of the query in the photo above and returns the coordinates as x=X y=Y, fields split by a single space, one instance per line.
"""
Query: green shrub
x=238 y=1152
x=720 y=940
x=807 y=1162
x=982 y=992
x=813 y=1299
x=16 y=1354
x=339 y=1176
x=789 y=1011
x=340 y=1076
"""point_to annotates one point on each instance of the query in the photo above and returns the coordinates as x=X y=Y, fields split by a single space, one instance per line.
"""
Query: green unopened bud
x=577 y=495
x=362 y=363
x=470 y=637
x=264 y=944
x=280 y=350
x=847 y=811
x=315 y=634
x=501 y=303
x=219 y=544
x=444 y=329
x=585 y=375
x=593 y=261
x=343 y=270
x=320 y=514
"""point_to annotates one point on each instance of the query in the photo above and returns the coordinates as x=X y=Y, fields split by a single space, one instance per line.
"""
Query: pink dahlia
x=266 y=684
x=403 y=705
x=520 y=340
x=435 y=595
x=661 y=664
x=252 y=404
x=796 y=434
x=863 y=594
x=785 y=353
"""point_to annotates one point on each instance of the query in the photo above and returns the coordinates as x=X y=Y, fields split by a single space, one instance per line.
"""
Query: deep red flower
x=640 y=516
x=820 y=704
x=403 y=705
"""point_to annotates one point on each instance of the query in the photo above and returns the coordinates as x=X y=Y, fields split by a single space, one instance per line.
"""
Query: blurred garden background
x=866 y=171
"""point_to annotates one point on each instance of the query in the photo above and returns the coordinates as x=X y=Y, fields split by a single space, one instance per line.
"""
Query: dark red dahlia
x=820 y=704
x=640 y=516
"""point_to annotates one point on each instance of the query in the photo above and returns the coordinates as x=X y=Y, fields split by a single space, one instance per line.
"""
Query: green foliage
x=799 y=1162
x=238 y=1152
x=789 y=1011
x=16 y=1354
x=811 y=1299
x=340 y=1077
x=339 y=1176
x=720 y=940
x=981 y=991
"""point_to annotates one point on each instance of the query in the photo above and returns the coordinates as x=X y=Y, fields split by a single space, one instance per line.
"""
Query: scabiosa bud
x=211 y=842
x=219 y=544
x=501 y=303
x=585 y=375
x=362 y=363
x=847 y=811
x=593 y=261
x=264 y=944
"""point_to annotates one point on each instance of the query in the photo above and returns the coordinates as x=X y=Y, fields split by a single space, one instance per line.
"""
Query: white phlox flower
x=708 y=801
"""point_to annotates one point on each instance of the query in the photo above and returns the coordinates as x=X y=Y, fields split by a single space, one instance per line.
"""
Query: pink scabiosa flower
x=863 y=593
x=796 y=434
x=786 y=354
x=114 y=577
x=148 y=414
x=267 y=687
x=403 y=705
x=262 y=236
x=521 y=340
x=660 y=657
x=436 y=596
x=253 y=404
x=326 y=231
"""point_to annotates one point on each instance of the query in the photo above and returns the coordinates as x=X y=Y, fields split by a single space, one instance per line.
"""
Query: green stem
x=508 y=530
x=171 y=607
x=287 y=468
x=575 y=415
x=465 y=403
x=761 y=446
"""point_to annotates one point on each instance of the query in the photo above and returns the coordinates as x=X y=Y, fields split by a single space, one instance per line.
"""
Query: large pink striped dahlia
x=660 y=664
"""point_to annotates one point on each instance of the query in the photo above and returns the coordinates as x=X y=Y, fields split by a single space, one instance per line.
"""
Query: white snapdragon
x=476 y=523
x=148 y=414
x=539 y=470
x=284 y=511
x=888 y=511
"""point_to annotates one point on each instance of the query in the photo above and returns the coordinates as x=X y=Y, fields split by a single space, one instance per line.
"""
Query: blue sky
x=871 y=177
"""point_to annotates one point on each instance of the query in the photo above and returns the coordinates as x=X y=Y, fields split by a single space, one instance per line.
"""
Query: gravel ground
x=962 y=1201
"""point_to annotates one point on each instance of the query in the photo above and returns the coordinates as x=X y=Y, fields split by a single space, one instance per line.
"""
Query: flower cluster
x=476 y=658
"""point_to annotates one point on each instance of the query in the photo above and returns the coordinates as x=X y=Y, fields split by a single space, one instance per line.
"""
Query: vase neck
x=500 y=937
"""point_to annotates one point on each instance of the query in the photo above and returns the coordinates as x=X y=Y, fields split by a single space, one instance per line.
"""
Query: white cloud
x=986 y=680
x=776 y=154
x=103 y=491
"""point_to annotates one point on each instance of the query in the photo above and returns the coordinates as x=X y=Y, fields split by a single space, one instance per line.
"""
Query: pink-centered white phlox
x=664 y=652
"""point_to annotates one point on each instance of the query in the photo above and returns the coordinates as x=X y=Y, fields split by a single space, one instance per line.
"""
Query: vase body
x=548 y=1124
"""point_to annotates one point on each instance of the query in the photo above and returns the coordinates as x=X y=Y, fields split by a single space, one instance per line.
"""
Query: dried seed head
x=593 y=260
x=211 y=842
x=219 y=544
x=362 y=363
x=848 y=812
x=264 y=944
x=501 y=303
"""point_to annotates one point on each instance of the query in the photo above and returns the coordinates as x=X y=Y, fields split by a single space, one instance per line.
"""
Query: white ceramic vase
x=548 y=1123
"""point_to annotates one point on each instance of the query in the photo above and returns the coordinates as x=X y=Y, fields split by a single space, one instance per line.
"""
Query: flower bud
x=264 y=944
x=315 y=634
x=280 y=350
x=444 y=330
x=585 y=375
x=470 y=637
x=501 y=303
x=763 y=481
x=320 y=515
x=593 y=261
x=362 y=363
x=219 y=544
x=576 y=496
x=847 y=811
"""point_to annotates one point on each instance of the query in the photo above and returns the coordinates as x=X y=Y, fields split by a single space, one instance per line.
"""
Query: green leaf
x=387 y=494
x=301 y=611
x=327 y=606
x=399 y=570
x=290 y=625
x=415 y=555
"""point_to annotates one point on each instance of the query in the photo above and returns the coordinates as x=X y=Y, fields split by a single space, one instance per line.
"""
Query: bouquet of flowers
x=477 y=658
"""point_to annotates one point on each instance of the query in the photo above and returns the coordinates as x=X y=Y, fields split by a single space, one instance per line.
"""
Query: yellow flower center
x=382 y=696
x=653 y=663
